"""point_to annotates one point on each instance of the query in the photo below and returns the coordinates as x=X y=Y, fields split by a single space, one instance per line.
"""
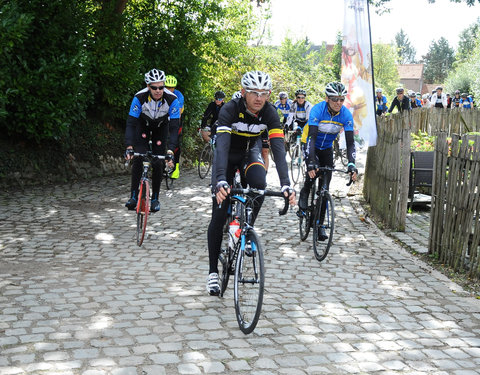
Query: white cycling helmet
x=257 y=80
x=283 y=95
x=237 y=94
x=154 y=75
x=378 y=90
x=335 y=89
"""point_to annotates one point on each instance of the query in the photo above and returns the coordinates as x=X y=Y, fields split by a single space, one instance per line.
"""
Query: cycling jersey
x=181 y=99
x=381 y=103
x=238 y=130
x=417 y=103
x=284 y=108
x=401 y=105
x=211 y=114
x=439 y=101
x=326 y=127
x=466 y=102
x=299 y=113
x=146 y=113
x=456 y=102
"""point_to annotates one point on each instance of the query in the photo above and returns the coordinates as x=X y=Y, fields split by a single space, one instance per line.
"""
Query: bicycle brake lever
x=284 y=210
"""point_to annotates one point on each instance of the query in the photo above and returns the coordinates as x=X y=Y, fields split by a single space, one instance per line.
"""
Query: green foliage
x=466 y=75
x=385 y=68
x=438 y=61
x=42 y=87
x=422 y=141
x=406 y=52
x=468 y=40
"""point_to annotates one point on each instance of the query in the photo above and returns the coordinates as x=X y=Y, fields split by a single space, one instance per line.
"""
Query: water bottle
x=233 y=233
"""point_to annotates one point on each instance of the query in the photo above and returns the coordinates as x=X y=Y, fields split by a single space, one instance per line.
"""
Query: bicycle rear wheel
x=306 y=221
x=249 y=283
x=296 y=166
x=343 y=157
x=205 y=161
x=321 y=247
x=143 y=207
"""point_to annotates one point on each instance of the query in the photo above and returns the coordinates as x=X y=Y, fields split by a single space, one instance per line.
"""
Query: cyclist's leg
x=325 y=159
x=305 y=191
x=177 y=152
x=140 y=146
x=159 y=147
x=219 y=215
x=256 y=175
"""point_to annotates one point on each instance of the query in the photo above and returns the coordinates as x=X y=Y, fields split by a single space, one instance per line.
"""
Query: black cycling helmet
x=300 y=92
x=219 y=95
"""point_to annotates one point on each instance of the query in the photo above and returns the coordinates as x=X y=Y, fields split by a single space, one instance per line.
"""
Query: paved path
x=77 y=296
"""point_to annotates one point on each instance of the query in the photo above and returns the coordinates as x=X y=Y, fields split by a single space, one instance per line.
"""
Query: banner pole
x=371 y=62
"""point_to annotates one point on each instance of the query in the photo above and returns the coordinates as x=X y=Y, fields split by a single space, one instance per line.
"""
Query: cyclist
x=439 y=98
x=381 y=101
x=154 y=115
x=283 y=105
x=466 y=101
x=211 y=114
x=170 y=85
x=300 y=111
x=237 y=94
x=240 y=125
x=400 y=101
x=326 y=120
x=414 y=101
x=456 y=99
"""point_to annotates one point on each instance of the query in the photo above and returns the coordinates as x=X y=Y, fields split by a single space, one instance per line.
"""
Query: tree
x=468 y=38
x=438 y=61
x=385 y=68
x=406 y=53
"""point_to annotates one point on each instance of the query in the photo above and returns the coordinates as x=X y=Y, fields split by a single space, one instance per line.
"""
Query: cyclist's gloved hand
x=129 y=153
x=312 y=167
x=289 y=192
x=299 y=131
x=221 y=191
x=352 y=169
x=170 y=159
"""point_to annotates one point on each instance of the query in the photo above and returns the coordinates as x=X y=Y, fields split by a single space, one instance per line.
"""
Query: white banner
x=357 y=71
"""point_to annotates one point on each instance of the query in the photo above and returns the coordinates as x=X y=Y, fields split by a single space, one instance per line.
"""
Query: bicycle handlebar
x=266 y=193
x=148 y=154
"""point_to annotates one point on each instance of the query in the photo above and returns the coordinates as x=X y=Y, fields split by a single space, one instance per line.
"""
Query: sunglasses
x=335 y=100
x=155 y=88
x=300 y=97
x=262 y=94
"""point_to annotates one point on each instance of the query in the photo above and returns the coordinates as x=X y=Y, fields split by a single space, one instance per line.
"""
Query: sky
x=421 y=21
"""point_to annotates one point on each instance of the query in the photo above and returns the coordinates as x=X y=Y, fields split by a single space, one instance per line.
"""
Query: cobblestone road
x=79 y=297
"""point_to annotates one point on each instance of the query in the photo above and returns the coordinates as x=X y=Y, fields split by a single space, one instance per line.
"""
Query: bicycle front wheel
x=169 y=181
x=249 y=283
x=296 y=164
x=321 y=245
x=205 y=161
x=143 y=207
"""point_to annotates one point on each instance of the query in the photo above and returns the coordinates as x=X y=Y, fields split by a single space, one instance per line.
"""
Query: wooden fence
x=387 y=169
x=451 y=121
x=455 y=212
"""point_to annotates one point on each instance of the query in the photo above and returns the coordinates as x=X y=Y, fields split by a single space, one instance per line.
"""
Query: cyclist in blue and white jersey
x=300 y=111
x=170 y=85
x=154 y=115
x=466 y=101
x=283 y=105
x=326 y=120
x=381 y=102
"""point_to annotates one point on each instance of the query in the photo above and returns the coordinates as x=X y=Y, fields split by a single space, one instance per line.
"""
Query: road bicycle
x=243 y=257
x=205 y=158
x=339 y=153
x=312 y=216
x=143 y=204
x=297 y=166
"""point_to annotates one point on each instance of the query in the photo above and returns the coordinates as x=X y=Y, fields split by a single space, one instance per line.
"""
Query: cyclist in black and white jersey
x=300 y=110
x=240 y=125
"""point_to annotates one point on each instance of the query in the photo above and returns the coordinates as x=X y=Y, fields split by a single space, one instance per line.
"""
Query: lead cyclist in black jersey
x=240 y=125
